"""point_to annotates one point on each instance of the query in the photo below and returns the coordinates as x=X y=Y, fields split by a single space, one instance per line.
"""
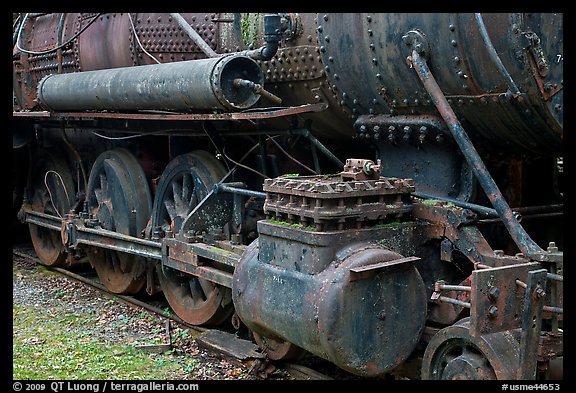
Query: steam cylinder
x=205 y=84
x=366 y=326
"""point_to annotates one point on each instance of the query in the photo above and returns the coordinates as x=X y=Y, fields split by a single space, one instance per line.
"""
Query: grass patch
x=51 y=346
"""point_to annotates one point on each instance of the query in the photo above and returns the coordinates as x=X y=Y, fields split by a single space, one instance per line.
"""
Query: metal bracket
x=416 y=40
x=496 y=300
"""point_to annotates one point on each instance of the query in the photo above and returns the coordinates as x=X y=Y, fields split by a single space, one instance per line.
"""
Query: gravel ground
x=118 y=322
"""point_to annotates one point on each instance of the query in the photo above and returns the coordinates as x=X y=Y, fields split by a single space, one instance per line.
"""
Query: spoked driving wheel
x=185 y=182
x=453 y=354
x=119 y=198
x=51 y=191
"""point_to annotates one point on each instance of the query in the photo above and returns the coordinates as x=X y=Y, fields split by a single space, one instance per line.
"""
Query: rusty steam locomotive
x=383 y=191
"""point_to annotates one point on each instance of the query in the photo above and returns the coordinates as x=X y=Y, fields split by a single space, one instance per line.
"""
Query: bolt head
x=493 y=312
x=494 y=293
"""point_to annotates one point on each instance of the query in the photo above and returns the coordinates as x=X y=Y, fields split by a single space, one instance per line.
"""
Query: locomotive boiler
x=379 y=190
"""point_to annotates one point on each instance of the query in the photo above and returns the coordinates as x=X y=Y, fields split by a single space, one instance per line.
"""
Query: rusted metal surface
x=333 y=292
x=119 y=200
x=195 y=297
x=297 y=73
x=311 y=311
x=454 y=354
x=69 y=42
x=182 y=257
x=361 y=169
x=517 y=232
x=40 y=41
x=534 y=293
x=350 y=267
x=368 y=75
x=194 y=35
x=189 y=85
x=497 y=301
x=330 y=202
x=252 y=115
x=51 y=193
x=371 y=270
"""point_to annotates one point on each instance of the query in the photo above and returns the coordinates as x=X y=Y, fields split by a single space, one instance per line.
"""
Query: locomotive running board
x=254 y=114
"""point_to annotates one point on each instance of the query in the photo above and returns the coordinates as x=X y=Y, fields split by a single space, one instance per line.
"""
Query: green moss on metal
x=290 y=225
x=438 y=202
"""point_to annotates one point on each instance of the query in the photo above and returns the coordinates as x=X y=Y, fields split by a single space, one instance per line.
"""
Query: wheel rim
x=185 y=182
x=277 y=349
x=119 y=198
x=453 y=354
x=51 y=191
x=196 y=300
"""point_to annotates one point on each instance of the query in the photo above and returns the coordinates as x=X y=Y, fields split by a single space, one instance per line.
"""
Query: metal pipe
x=223 y=187
x=494 y=55
x=486 y=211
x=540 y=209
x=194 y=36
x=446 y=299
x=204 y=84
x=257 y=89
x=553 y=309
x=521 y=283
x=517 y=232
x=524 y=218
x=322 y=148
x=555 y=277
x=455 y=287
x=272 y=38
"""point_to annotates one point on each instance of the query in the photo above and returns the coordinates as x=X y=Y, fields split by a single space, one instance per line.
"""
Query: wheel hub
x=468 y=366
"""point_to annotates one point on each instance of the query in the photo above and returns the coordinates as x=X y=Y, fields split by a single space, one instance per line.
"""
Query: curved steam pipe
x=272 y=36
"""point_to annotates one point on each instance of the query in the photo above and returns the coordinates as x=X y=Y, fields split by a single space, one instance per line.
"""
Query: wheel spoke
x=103 y=184
x=170 y=210
x=196 y=291
x=51 y=185
x=187 y=187
x=207 y=287
x=177 y=194
x=118 y=196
